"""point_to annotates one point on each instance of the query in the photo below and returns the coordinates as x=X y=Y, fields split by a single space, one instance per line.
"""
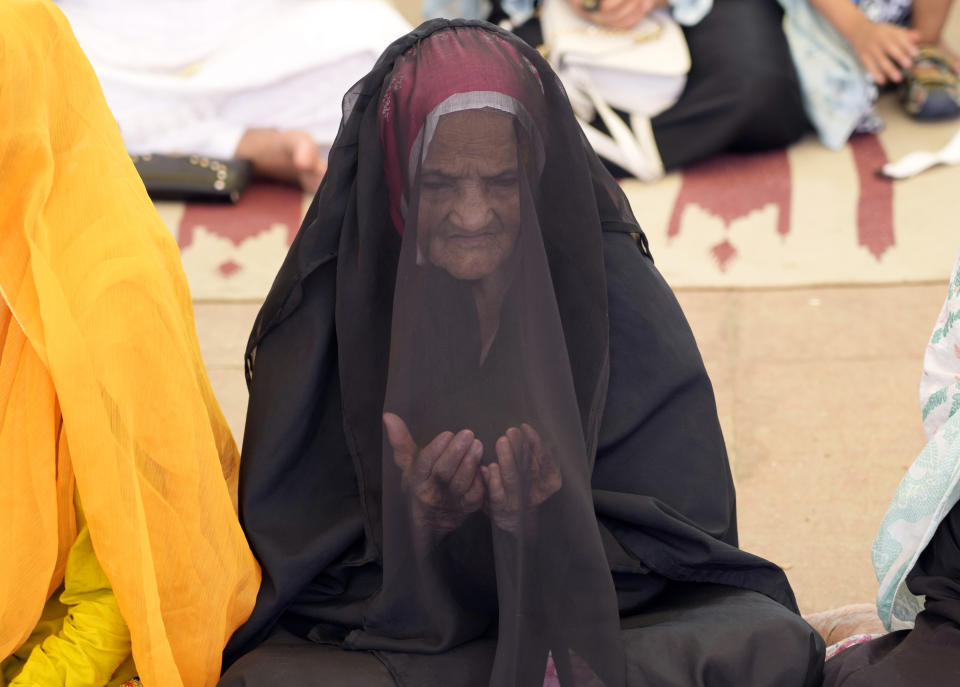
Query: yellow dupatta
x=101 y=379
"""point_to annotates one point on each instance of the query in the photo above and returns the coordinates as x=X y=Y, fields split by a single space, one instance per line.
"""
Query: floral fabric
x=931 y=486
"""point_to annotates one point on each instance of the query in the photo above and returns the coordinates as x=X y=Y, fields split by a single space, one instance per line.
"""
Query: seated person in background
x=844 y=50
x=741 y=93
x=104 y=401
x=252 y=79
x=917 y=552
x=481 y=447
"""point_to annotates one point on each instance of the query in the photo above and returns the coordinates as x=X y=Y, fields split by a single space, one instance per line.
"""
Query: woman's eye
x=435 y=184
x=504 y=182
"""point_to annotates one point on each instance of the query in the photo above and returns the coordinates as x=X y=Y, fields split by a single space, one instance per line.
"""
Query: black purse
x=193 y=177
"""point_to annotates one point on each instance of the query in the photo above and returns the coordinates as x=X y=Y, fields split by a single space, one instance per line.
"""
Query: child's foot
x=290 y=156
x=931 y=87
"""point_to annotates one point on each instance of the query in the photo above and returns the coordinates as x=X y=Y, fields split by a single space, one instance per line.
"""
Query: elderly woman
x=122 y=553
x=481 y=447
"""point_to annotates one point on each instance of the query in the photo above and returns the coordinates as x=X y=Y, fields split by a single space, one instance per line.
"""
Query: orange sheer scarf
x=101 y=379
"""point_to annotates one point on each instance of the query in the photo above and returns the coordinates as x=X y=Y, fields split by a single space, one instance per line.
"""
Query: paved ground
x=817 y=394
x=816 y=390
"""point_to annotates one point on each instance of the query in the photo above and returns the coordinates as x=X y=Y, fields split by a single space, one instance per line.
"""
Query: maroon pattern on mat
x=732 y=186
x=261 y=206
x=728 y=187
x=875 y=207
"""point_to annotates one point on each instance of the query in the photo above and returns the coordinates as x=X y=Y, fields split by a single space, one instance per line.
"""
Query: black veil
x=588 y=373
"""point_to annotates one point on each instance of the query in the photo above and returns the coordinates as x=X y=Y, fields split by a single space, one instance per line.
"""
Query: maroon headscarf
x=470 y=70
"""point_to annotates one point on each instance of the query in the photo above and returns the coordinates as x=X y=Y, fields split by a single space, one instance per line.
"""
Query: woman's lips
x=473 y=239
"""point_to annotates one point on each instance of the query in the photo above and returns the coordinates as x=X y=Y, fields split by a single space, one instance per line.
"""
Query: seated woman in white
x=254 y=79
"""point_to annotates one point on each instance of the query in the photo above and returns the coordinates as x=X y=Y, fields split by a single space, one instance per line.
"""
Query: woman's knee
x=771 y=112
x=308 y=665
x=723 y=635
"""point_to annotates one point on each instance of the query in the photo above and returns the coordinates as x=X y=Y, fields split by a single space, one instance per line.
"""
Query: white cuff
x=690 y=12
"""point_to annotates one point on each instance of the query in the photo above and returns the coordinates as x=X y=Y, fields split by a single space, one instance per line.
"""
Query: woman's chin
x=469 y=270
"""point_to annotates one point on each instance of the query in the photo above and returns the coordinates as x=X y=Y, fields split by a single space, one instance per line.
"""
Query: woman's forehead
x=474 y=134
x=468 y=125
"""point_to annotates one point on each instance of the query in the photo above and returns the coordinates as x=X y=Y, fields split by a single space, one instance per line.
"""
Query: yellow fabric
x=50 y=623
x=97 y=325
x=89 y=641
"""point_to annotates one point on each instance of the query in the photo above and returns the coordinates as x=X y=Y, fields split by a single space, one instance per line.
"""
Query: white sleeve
x=210 y=137
x=690 y=12
x=157 y=124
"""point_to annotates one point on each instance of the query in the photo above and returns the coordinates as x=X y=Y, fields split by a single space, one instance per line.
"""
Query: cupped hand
x=617 y=14
x=442 y=479
x=883 y=49
x=524 y=476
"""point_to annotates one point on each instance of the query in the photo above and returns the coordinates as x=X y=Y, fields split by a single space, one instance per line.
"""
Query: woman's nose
x=472 y=210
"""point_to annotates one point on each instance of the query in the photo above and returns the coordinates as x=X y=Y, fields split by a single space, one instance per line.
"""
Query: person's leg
x=742 y=92
x=704 y=635
x=285 y=659
x=929 y=16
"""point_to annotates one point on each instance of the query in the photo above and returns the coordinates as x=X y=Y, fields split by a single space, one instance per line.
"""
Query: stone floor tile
x=230 y=389
x=223 y=329
x=849 y=323
x=821 y=447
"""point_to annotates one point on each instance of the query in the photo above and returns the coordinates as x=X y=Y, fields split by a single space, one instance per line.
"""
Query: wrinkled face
x=469 y=216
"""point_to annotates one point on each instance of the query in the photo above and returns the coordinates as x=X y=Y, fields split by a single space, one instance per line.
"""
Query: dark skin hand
x=522 y=458
x=442 y=479
x=446 y=482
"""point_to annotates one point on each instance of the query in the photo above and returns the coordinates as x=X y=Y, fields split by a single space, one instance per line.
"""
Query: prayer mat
x=807 y=215
x=797 y=217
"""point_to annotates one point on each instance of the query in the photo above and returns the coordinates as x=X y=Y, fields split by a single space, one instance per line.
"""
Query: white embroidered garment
x=931 y=486
x=940 y=384
x=192 y=75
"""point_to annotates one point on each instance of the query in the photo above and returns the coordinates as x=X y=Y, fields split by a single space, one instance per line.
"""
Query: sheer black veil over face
x=477 y=346
x=429 y=466
x=468 y=209
x=487 y=518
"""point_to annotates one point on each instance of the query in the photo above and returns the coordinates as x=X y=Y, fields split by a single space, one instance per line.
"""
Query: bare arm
x=619 y=14
x=881 y=48
x=929 y=16
x=843 y=14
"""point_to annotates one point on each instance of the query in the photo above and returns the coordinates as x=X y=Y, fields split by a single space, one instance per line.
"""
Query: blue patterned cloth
x=931 y=486
x=687 y=12
x=838 y=93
